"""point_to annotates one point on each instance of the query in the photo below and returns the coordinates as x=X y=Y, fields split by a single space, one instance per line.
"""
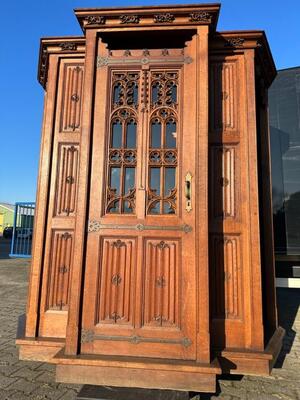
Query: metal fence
x=23 y=230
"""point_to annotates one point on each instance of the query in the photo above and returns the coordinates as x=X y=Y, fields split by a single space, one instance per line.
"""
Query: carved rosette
x=235 y=42
x=68 y=46
x=95 y=20
x=163 y=18
x=129 y=19
x=202 y=16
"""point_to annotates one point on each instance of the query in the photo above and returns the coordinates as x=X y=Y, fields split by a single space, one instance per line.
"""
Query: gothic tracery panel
x=122 y=154
x=162 y=153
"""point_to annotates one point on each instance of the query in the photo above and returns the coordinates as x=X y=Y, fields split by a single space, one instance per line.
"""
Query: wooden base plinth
x=39 y=349
x=234 y=361
x=137 y=373
x=89 y=392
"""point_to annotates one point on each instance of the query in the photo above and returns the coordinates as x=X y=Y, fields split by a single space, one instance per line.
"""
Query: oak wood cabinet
x=153 y=256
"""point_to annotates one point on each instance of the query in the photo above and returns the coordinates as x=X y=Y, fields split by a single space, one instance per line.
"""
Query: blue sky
x=21 y=100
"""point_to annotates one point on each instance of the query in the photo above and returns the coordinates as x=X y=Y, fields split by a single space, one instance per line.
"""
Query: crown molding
x=176 y=15
x=62 y=46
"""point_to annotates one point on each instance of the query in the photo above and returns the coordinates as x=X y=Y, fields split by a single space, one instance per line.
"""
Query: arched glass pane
x=135 y=94
x=171 y=135
x=129 y=180
x=131 y=135
x=116 y=142
x=155 y=89
x=117 y=93
x=115 y=174
x=174 y=93
x=155 y=135
x=169 y=181
x=155 y=180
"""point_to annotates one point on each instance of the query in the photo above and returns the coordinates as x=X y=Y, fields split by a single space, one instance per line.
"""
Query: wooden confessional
x=153 y=256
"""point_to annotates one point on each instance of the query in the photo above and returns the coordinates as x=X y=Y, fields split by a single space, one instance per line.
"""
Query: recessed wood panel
x=66 y=181
x=226 y=280
x=161 y=282
x=223 y=181
x=223 y=96
x=59 y=270
x=115 y=297
x=71 y=98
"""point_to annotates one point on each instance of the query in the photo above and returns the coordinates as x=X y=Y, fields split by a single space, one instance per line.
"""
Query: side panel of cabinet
x=229 y=214
x=57 y=267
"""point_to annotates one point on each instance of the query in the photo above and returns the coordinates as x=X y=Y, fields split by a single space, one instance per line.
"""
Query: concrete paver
x=36 y=381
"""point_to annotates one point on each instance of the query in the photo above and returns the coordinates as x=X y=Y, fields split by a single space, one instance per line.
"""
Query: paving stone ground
x=21 y=380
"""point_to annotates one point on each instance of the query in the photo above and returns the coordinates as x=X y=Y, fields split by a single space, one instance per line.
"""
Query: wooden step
x=148 y=373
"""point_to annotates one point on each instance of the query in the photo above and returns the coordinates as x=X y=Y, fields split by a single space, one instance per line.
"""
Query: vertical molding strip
x=81 y=214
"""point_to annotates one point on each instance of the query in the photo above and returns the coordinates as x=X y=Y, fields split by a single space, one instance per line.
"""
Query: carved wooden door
x=140 y=275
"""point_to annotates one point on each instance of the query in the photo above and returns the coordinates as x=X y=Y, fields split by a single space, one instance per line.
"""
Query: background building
x=6 y=215
x=284 y=101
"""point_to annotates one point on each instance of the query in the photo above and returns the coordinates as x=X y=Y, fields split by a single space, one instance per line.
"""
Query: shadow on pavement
x=4 y=248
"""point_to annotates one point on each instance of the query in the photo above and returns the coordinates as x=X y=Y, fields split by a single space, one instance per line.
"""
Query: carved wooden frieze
x=59 y=270
x=71 y=98
x=162 y=283
x=66 y=181
x=115 y=302
x=226 y=277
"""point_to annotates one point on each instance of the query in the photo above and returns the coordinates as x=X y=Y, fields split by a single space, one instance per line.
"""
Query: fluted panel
x=223 y=181
x=226 y=279
x=66 y=182
x=115 y=301
x=71 y=98
x=59 y=270
x=161 y=283
x=223 y=99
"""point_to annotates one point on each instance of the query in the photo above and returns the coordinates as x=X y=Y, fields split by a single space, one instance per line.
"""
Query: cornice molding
x=236 y=41
x=202 y=14
x=63 y=46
